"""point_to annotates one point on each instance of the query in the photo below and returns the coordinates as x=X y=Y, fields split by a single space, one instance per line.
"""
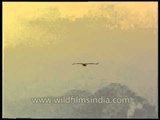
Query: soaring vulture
x=85 y=64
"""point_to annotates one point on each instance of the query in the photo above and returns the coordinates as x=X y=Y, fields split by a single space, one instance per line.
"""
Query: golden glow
x=39 y=51
x=15 y=12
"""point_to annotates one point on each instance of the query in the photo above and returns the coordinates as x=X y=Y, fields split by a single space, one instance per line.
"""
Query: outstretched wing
x=92 y=63
x=77 y=63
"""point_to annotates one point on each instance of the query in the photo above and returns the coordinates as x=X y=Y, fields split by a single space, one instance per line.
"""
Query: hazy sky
x=128 y=57
x=14 y=13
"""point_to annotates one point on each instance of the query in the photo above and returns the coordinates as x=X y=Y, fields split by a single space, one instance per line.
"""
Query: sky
x=14 y=12
x=38 y=51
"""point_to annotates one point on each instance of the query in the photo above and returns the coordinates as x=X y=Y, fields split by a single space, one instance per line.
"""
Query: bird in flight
x=85 y=64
